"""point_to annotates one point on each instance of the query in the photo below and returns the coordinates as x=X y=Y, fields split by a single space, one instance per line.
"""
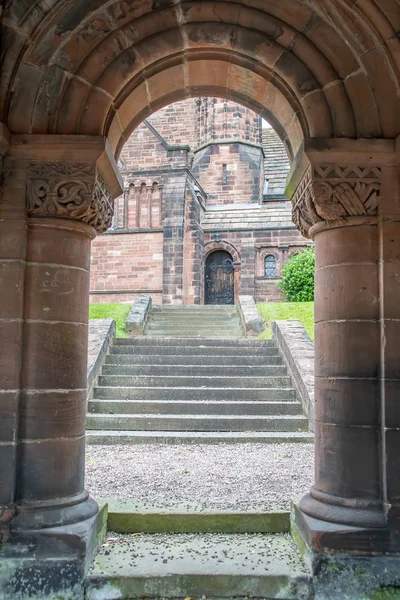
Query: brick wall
x=178 y=123
x=230 y=173
x=252 y=247
x=145 y=150
x=160 y=236
x=124 y=263
x=219 y=119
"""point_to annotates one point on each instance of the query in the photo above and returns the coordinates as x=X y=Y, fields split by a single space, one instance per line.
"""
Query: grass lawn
x=118 y=312
x=270 y=311
x=280 y=311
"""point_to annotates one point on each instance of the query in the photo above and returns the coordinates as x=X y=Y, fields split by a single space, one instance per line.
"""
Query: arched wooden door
x=219 y=278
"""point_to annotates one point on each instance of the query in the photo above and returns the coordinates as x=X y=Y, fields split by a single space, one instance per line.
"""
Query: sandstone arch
x=99 y=70
x=213 y=245
x=327 y=75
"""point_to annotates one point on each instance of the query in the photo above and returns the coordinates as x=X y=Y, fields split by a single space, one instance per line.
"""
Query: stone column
x=347 y=203
x=61 y=202
x=12 y=273
x=50 y=482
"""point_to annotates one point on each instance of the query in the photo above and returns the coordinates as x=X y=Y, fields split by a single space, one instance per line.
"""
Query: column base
x=316 y=537
x=343 y=511
x=52 y=562
x=42 y=515
x=348 y=563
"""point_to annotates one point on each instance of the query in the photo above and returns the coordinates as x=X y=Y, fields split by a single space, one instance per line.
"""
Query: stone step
x=199 y=350
x=190 y=341
x=198 y=565
x=195 y=371
x=194 y=329
x=131 y=516
x=189 y=308
x=211 y=324
x=193 y=361
x=109 y=437
x=175 y=381
x=174 y=334
x=194 y=325
x=193 y=393
x=202 y=407
x=194 y=315
x=152 y=422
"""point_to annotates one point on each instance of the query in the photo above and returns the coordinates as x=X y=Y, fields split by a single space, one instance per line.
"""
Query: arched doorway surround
x=213 y=246
x=76 y=78
x=219 y=287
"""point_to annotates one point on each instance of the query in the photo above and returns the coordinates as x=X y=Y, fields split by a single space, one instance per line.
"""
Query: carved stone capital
x=332 y=192
x=71 y=191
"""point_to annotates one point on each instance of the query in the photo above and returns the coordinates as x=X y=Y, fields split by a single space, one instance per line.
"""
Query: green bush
x=297 y=281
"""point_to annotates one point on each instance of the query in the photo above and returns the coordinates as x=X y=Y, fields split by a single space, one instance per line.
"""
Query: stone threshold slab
x=131 y=516
x=198 y=565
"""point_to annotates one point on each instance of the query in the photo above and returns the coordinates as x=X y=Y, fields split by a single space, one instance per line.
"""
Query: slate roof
x=276 y=163
x=272 y=215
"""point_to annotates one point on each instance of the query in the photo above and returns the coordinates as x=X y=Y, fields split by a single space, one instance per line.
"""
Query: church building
x=204 y=216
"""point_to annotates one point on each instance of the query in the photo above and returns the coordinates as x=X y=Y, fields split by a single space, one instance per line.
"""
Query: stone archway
x=76 y=78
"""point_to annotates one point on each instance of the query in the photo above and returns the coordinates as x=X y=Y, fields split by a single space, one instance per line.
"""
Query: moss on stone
x=153 y=522
x=387 y=593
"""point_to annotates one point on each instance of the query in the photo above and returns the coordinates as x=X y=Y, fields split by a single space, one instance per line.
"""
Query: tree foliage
x=297 y=281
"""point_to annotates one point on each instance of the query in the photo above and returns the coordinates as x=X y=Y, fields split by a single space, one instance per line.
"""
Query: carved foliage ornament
x=332 y=192
x=69 y=190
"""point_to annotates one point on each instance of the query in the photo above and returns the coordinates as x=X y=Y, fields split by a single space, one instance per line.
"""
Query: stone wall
x=193 y=174
x=145 y=149
x=298 y=350
x=193 y=250
x=231 y=173
x=100 y=338
x=251 y=248
x=125 y=264
x=219 y=119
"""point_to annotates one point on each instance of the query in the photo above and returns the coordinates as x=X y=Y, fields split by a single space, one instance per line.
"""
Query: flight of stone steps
x=194 y=321
x=190 y=390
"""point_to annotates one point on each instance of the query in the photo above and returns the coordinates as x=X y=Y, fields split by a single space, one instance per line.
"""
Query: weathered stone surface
x=129 y=516
x=298 y=350
x=252 y=322
x=138 y=315
x=101 y=336
x=328 y=76
x=232 y=200
x=63 y=556
x=223 y=566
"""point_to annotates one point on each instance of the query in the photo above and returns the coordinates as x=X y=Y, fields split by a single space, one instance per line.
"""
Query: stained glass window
x=270 y=266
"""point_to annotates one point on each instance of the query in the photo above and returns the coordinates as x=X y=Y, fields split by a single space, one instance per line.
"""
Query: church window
x=270 y=266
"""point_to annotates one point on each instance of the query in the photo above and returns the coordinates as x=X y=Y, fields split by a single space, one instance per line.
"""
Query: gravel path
x=241 y=476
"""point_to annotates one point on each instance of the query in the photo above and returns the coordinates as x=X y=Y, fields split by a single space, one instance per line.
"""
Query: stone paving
x=241 y=476
x=208 y=565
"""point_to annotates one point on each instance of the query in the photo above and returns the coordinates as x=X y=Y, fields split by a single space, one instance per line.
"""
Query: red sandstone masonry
x=126 y=262
x=230 y=173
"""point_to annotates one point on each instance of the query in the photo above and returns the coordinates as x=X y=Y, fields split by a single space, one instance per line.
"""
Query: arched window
x=270 y=266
